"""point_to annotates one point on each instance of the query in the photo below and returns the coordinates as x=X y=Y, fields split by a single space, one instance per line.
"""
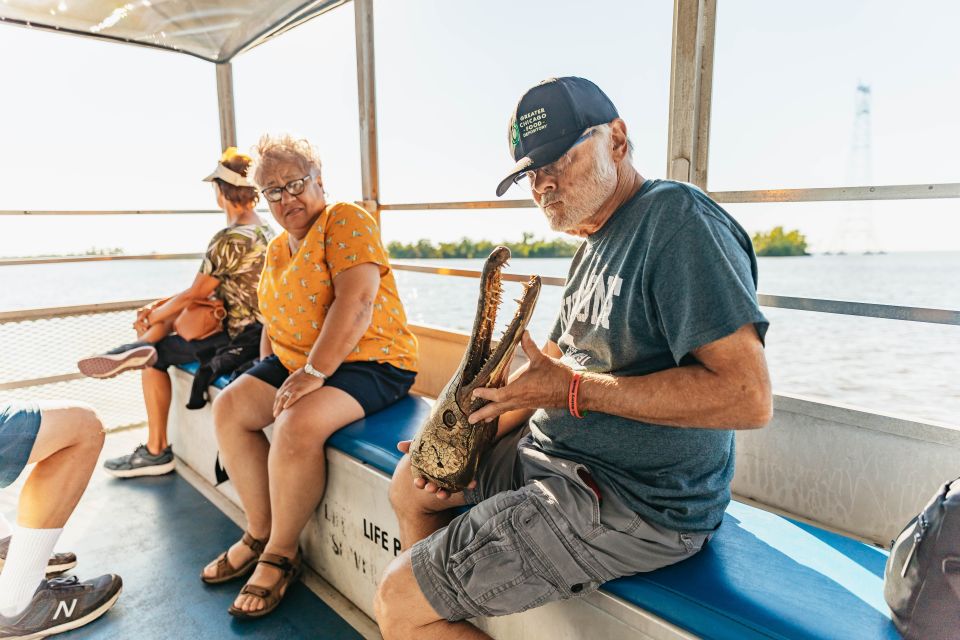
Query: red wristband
x=573 y=394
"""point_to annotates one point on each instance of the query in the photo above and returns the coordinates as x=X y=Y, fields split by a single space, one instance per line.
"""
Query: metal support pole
x=691 y=84
x=228 y=120
x=366 y=94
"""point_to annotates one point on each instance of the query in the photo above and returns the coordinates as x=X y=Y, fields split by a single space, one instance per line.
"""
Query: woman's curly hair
x=272 y=149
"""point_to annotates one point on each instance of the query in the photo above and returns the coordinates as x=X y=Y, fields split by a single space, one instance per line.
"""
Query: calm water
x=894 y=367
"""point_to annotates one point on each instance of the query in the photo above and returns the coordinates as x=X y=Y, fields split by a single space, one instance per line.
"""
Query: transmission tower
x=861 y=160
x=857 y=232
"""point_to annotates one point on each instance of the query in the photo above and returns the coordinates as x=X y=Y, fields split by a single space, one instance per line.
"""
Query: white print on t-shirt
x=576 y=359
x=592 y=301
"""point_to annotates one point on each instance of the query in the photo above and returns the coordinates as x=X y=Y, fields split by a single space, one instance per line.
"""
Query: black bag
x=225 y=359
x=921 y=582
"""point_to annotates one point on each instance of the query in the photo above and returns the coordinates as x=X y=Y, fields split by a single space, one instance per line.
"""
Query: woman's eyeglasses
x=294 y=188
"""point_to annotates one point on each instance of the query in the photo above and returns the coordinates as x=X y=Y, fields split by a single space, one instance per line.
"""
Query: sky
x=95 y=125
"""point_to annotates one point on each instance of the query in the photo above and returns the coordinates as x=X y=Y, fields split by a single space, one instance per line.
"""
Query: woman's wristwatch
x=316 y=373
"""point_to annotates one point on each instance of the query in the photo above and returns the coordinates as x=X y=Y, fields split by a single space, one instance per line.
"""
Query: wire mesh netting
x=49 y=347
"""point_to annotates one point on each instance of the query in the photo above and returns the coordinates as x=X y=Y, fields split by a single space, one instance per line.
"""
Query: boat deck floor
x=157 y=534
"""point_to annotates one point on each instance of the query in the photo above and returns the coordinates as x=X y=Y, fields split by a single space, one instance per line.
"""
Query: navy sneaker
x=62 y=604
x=136 y=355
x=141 y=463
x=58 y=562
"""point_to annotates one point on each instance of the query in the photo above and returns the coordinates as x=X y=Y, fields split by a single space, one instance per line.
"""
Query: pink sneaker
x=136 y=355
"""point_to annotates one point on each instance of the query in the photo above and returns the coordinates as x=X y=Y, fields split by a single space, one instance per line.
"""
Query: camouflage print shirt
x=235 y=258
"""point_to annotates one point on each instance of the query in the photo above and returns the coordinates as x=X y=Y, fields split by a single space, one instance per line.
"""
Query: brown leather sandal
x=226 y=571
x=271 y=596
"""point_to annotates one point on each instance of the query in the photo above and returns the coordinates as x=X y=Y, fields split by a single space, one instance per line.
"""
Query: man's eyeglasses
x=294 y=188
x=555 y=168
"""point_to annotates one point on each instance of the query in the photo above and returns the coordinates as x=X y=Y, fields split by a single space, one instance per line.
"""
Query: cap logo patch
x=514 y=135
x=533 y=121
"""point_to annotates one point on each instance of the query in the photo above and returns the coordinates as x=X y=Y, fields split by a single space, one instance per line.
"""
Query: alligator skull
x=447 y=449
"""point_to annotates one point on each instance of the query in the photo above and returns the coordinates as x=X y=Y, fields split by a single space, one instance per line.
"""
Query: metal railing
x=753 y=196
x=39 y=349
x=40 y=346
x=108 y=212
x=819 y=305
x=13 y=262
x=24 y=347
x=66 y=312
x=841 y=194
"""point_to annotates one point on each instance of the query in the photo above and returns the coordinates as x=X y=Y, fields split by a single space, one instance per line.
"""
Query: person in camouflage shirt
x=235 y=258
x=230 y=272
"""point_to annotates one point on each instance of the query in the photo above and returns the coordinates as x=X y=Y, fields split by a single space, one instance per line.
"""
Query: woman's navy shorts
x=19 y=425
x=374 y=385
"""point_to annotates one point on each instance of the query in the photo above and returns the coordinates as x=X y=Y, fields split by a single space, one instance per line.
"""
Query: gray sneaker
x=136 y=355
x=58 y=562
x=62 y=604
x=141 y=463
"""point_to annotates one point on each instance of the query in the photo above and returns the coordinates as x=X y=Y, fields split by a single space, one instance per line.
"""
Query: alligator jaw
x=480 y=367
x=484 y=322
x=447 y=448
x=496 y=365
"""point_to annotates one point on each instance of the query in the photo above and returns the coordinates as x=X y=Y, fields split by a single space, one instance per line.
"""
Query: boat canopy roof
x=214 y=30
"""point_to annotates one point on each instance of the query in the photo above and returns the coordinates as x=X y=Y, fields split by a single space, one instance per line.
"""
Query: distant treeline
x=778 y=242
x=92 y=251
x=467 y=248
x=775 y=242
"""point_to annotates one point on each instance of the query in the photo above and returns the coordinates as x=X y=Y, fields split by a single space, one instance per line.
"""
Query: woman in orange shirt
x=335 y=348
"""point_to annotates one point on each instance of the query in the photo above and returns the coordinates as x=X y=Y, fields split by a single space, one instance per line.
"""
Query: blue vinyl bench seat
x=761 y=576
x=191 y=368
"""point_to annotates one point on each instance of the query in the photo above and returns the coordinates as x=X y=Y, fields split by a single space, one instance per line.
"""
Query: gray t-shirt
x=669 y=272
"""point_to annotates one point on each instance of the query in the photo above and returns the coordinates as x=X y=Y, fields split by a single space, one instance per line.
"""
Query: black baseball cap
x=549 y=118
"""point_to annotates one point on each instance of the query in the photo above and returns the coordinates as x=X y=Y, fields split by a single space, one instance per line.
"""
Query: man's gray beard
x=580 y=205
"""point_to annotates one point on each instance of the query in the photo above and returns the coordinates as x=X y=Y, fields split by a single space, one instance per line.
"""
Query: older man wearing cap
x=616 y=448
x=230 y=271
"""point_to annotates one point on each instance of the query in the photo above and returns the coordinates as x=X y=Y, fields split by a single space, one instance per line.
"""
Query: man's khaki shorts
x=538 y=533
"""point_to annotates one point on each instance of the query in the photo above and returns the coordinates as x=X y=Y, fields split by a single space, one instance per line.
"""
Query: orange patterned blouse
x=296 y=291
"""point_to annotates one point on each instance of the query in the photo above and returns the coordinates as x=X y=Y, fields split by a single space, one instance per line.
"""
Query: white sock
x=4 y=527
x=25 y=567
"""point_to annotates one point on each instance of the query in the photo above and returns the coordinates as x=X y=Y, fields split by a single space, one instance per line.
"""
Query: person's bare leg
x=65 y=453
x=240 y=413
x=419 y=512
x=157 y=395
x=298 y=474
x=402 y=611
x=157 y=391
